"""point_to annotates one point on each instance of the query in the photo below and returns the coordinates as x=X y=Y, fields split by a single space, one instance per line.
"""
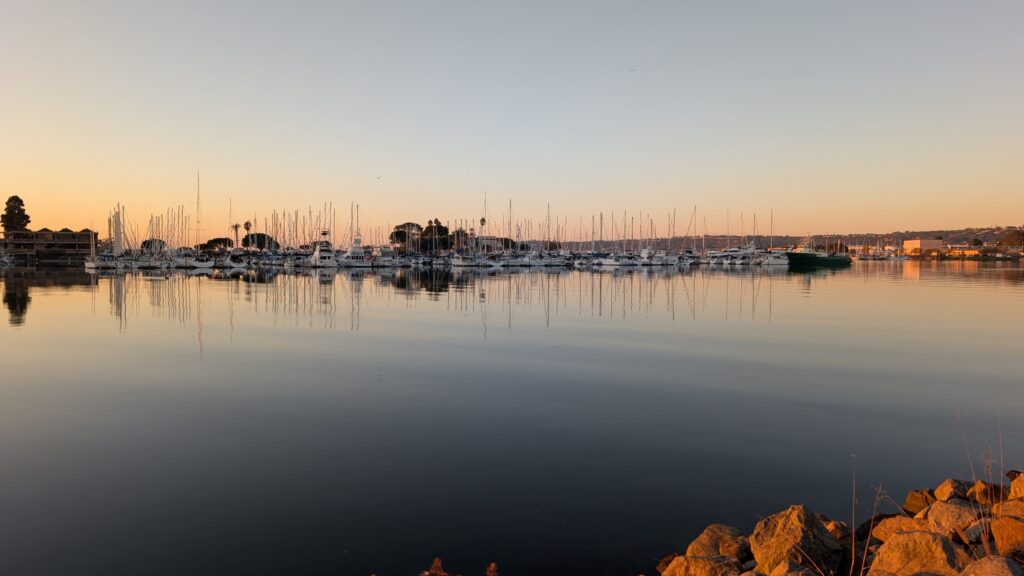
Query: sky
x=833 y=117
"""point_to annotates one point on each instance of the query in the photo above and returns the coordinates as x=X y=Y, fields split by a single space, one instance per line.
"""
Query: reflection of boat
x=807 y=256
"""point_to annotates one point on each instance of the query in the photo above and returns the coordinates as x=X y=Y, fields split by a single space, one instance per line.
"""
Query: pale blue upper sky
x=843 y=117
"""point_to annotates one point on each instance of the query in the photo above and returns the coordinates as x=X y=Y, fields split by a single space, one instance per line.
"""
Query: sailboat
x=774 y=258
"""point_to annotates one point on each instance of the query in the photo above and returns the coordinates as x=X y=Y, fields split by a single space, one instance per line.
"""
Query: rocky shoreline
x=958 y=528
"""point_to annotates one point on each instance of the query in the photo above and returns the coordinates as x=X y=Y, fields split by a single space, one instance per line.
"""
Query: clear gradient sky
x=839 y=116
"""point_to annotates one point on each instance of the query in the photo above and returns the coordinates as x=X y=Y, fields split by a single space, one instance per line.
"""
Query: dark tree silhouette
x=260 y=241
x=153 y=245
x=217 y=244
x=434 y=236
x=14 y=217
x=401 y=234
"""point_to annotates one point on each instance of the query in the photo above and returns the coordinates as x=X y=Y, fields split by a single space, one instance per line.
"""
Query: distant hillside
x=963 y=236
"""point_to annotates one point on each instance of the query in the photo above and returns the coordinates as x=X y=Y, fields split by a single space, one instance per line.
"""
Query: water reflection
x=312 y=297
x=16 y=299
x=579 y=417
x=19 y=282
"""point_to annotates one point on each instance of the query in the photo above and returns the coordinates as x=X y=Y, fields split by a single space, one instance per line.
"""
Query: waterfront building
x=921 y=246
x=46 y=246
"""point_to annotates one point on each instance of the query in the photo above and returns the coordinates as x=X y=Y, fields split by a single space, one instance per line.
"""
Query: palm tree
x=235 y=227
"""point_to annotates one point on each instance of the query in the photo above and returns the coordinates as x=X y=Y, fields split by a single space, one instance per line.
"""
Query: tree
x=435 y=235
x=459 y=239
x=403 y=233
x=217 y=244
x=260 y=241
x=153 y=245
x=14 y=217
x=977 y=242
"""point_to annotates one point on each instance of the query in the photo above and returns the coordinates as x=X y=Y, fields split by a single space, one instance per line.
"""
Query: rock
x=886 y=528
x=948 y=517
x=974 y=532
x=914 y=553
x=1009 y=536
x=864 y=530
x=838 y=528
x=795 y=535
x=721 y=540
x=753 y=573
x=665 y=561
x=1012 y=474
x=951 y=489
x=987 y=493
x=791 y=569
x=697 y=566
x=1017 y=487
x=918 y=500
x=992 y=566
x=1009 y=508
x=435 y=569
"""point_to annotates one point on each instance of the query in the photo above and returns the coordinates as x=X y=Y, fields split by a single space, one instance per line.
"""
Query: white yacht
x=355 y=256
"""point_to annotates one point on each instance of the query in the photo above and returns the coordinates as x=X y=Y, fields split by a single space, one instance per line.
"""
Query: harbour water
x=553 y=422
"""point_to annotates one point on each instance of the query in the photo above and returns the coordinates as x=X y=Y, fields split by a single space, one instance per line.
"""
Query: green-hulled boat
x=807 y=257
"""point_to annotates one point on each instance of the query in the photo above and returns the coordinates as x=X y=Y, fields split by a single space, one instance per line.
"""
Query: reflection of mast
x=199 y=305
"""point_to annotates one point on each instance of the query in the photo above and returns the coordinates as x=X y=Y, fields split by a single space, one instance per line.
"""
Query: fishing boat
x=355 y=256
x=807 y=256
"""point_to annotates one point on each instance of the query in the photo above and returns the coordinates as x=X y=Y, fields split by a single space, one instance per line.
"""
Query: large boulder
x=886 y=528
x=951 y=489
x=721 y=540
x=665 y=561
x=992 y=566
x=1009 y=508
x=864 y=530
x=918 y=500
x=697 y=566
x=1017 y=487
x=947 y=518
x=1009 y=536
x=987 y=493
x=797 y=536
x=918 y=553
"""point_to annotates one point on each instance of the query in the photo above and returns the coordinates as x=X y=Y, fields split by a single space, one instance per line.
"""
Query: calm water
x=556 y=423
